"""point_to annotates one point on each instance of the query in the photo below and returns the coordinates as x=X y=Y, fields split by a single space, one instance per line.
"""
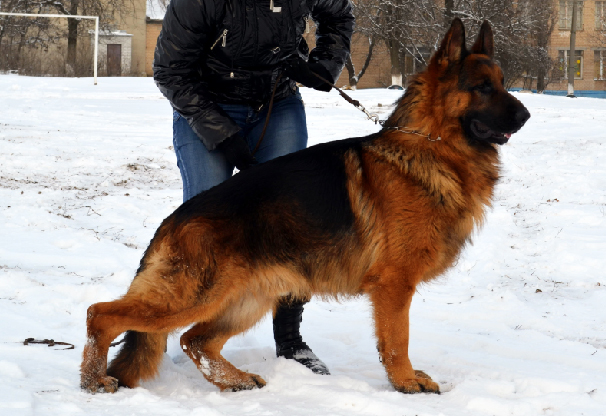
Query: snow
x=517 y=327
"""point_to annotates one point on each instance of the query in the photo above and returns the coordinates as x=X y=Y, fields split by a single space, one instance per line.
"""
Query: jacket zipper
x=224 y=37
x=256 y=28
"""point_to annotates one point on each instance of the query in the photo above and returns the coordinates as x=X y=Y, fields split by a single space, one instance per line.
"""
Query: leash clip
x=371 y=116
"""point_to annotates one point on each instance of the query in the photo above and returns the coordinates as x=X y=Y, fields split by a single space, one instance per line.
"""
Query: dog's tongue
x=508 y=135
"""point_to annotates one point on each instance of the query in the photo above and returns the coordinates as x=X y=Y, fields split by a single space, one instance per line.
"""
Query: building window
x=565 y=16
x=563 y=64
x=599 y=63
x=600 y=15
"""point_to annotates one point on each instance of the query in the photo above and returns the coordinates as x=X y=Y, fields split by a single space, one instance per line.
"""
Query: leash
x=52 y=343
x=355 y=103
x=271 y=104
x=49 y=342
x=375 y=117
x=371 y=116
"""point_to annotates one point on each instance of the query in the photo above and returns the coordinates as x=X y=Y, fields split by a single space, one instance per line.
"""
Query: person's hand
x=296 y=68
x=236 y=152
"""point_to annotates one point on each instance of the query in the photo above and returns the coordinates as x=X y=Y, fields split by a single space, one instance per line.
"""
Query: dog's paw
x=422 y=384
x=104 y=384
x=252 y=382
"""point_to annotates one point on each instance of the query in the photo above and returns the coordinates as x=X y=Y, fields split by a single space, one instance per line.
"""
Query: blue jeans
x=201 y=169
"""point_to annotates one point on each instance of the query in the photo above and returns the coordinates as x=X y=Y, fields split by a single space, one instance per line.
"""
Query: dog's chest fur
x=428 y=197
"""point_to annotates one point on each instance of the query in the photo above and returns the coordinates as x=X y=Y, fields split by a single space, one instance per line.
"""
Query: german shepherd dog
x=375 y=215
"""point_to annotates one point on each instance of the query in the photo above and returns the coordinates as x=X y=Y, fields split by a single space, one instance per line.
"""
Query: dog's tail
x=139 y=358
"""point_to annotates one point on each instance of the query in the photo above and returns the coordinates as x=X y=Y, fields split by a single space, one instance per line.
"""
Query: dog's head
x=470 y=86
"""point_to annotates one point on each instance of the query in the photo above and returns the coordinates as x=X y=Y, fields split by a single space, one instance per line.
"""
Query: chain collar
x=411 y=131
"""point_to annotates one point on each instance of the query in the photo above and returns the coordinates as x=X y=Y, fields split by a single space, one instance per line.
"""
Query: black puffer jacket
x=231 y=51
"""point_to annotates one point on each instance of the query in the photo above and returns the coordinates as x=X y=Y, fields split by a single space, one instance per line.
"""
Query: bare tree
x=411 y=30
x=107 y=10
x=354 y=77
x=406 y=27
x=110 y=13
x=545 y=21
x=365 y=28
x=522 y=30
x=17 y=32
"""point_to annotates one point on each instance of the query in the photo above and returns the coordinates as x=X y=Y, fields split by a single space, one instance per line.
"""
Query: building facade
x=590 y=46
x=154 y=26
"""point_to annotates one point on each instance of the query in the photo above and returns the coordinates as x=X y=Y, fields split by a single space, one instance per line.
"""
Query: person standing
x=219 y=62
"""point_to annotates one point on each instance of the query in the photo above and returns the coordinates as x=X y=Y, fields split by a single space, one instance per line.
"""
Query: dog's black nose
x=522 y=116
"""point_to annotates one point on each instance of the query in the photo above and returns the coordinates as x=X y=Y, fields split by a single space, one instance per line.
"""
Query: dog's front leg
x=391 y=301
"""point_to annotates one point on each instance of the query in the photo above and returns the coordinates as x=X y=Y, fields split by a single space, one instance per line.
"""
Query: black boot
x=289 y=343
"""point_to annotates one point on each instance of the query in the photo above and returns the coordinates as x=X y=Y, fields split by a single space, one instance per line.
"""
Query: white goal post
x=67 y=16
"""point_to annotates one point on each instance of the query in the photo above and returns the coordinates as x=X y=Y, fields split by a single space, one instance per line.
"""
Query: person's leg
x=287 y=335
x=200 y=169
x=286 y=133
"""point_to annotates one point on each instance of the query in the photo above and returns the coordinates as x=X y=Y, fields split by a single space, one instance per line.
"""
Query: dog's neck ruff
x=412 y=131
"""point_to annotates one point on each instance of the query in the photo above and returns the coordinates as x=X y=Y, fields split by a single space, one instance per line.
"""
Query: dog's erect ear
x=485 y=42
x=453 y=44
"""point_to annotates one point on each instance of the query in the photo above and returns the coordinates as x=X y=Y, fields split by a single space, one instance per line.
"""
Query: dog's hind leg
x=105 y=321
x=143 y=351
x=142 y=312
x=391 y=313
x=203 y=344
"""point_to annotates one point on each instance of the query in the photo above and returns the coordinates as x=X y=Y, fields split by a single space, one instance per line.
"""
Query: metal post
x=572 y=54
x=96 y=48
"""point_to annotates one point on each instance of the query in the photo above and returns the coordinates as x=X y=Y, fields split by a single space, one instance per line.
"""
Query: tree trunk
x=11 y=57
x=3 y=58
x=542 y=42
x=448 y=6
x=72 y=39
x=371 y=47
x=19 y=48
x=351 y=71
x=541 y=79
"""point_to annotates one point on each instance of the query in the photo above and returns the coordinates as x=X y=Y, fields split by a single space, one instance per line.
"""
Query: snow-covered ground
x=518 y=327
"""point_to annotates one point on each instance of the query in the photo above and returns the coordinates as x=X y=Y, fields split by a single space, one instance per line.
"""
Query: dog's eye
x=485 y=88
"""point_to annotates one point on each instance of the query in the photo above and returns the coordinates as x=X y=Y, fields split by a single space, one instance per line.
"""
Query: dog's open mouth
x=482 y=131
